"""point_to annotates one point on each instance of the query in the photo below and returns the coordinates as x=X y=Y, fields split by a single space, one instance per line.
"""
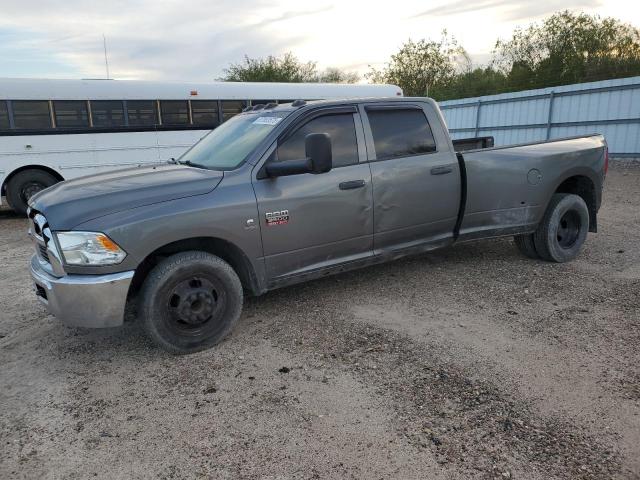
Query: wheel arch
x=224 y=249
x=44 y=168
x=585 y=187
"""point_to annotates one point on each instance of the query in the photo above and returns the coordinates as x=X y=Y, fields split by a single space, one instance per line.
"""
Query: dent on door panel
x=433 y=207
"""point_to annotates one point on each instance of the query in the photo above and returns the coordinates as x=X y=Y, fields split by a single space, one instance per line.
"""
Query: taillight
x=606 y=160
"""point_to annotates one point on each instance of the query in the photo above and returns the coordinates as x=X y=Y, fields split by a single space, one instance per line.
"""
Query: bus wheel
x=23 y=185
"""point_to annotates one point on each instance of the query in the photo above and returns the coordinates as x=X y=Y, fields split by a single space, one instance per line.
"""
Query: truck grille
x=39 y=230
x=46 y=250
x=42 y=249
x=41 y=292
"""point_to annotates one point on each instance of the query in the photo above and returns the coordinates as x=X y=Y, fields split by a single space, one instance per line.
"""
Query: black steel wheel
x=563 y=229
x=196 y=304
x=190 y=301
x=569 y=228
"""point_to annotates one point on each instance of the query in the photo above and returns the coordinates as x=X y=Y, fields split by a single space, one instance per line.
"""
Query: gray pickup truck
x=286 y=193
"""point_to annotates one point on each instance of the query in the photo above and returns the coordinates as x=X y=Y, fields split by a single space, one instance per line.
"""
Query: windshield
x=226 y=147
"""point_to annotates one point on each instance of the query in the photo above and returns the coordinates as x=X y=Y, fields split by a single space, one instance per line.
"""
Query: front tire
x=563 y=228
x=190 y=302
x=23 y=185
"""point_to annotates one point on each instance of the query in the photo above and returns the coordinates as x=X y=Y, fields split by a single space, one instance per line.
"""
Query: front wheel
x=563 y=228
x=190 y=301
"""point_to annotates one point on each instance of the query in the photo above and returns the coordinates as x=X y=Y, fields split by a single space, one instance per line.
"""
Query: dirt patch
x=469 y=362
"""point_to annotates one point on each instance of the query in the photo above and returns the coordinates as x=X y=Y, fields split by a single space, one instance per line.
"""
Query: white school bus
x=54 y=130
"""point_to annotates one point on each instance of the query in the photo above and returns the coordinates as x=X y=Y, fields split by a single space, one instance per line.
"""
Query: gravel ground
x=469 y=362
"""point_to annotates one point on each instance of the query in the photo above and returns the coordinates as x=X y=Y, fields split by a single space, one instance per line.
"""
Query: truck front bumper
x=91 y=301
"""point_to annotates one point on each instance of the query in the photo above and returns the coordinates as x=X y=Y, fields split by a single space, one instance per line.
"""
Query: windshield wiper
x=189 y=163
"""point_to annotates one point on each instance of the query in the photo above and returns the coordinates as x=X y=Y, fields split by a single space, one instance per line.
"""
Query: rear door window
x=400 y=133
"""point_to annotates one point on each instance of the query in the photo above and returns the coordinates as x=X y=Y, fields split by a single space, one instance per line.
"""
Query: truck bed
x=508 y=187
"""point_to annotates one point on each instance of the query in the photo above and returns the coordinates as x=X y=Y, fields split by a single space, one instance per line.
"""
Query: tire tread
x=164 y=269
x=541 y=236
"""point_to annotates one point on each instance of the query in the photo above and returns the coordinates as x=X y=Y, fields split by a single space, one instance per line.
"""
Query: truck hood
x=72 y=202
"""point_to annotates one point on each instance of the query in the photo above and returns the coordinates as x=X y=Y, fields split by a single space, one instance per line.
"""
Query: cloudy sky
x=196 y=40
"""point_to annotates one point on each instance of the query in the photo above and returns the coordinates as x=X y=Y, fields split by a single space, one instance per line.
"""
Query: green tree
x=569 y=48
x=335 y=75
x=422 y=67
x=563 y=49
x=473 y=82
x=283 y=69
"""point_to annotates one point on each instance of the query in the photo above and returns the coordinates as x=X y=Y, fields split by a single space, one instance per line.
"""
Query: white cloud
x=196 y=40
x=510 y=9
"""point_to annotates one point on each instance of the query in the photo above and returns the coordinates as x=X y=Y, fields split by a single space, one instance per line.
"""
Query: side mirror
x=317 y=148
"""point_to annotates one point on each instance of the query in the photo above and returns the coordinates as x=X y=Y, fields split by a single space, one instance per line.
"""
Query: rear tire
x=190 y=301
x=23 y=185
x=563 y=228
x=526 y=245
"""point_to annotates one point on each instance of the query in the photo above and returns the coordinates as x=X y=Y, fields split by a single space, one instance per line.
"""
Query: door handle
x=441 y=170
x=350 y=185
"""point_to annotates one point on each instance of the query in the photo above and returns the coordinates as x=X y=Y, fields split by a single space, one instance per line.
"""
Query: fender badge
x=277 y=218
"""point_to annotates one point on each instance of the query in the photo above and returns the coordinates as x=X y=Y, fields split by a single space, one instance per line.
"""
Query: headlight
x=89 y=248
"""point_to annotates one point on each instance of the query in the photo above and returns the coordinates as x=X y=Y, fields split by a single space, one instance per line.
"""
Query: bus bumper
x=90 y=301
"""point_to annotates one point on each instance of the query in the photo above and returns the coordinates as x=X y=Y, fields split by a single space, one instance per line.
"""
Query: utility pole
x=106 y=61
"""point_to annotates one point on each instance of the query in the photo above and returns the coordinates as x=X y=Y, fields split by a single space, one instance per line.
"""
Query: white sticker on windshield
x=266 y=120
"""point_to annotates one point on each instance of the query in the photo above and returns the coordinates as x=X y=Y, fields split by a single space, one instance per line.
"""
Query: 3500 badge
x=277 y=218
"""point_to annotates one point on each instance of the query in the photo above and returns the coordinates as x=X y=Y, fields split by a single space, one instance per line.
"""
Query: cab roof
x=308 y=104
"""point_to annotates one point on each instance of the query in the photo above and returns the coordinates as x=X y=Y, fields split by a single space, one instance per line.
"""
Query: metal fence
x=610 y=107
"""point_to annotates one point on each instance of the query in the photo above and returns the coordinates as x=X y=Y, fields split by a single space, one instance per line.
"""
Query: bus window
x=71 y=113
x=231 y=108
x=4 y=116
x=32 y=114
x=142 y=112
x=174 y=112
x=285 y=101
x=205 y=112
x=107 y=113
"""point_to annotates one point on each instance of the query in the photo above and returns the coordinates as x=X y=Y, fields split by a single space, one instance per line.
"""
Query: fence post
x=478 y=118
x=550 y=114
